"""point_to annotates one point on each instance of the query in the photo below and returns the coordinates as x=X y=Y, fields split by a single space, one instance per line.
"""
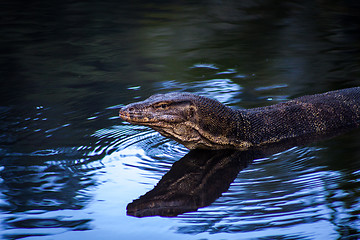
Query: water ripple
x=205 y=65
x=45 y=152
x=222 y=89
x=122 y=137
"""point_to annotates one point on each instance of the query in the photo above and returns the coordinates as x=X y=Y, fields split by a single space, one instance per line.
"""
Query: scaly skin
x=200 y=122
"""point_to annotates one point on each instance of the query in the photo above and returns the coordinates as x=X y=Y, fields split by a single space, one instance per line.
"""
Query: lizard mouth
x=134 y=117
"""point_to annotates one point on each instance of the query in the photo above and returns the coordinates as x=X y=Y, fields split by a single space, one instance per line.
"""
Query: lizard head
x=187 y=118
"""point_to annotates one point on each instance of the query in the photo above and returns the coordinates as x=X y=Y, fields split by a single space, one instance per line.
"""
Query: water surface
x=69 y=166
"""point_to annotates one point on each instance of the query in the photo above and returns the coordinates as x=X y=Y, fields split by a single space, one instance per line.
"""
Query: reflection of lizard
x=200 y=122
x=195 y=181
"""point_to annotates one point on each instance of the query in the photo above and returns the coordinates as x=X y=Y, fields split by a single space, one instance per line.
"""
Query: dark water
x=69 y=166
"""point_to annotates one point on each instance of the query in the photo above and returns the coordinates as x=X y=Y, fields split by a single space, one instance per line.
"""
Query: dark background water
x=69 y=165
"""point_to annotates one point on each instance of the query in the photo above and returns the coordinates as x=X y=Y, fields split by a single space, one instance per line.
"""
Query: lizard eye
x=162 y=106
